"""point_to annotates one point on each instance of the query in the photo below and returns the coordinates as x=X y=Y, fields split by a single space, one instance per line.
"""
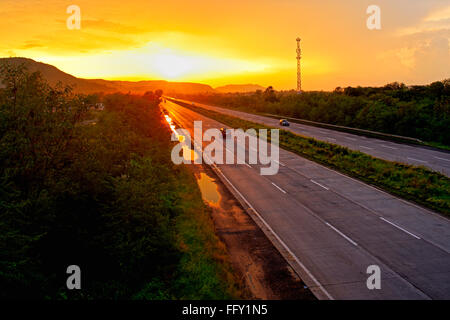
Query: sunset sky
x=235 y=41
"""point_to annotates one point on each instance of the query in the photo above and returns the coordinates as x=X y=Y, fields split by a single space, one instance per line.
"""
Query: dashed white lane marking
x=398 y=227
x=353 y=139
x=278 y=188
x=442 y=159
x=343 y=235
x=308 y=272
x=414 y=159
x=319 y=184
x=393 y=148
x=366 y=147
x=331 y=138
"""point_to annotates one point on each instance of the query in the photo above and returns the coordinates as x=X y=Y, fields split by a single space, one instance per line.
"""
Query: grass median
x=418 y=184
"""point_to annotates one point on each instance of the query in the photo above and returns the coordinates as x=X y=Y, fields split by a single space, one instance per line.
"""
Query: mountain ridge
x=54 y=75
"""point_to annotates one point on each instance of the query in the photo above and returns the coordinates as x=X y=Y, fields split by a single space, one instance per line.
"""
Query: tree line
x=421 y=111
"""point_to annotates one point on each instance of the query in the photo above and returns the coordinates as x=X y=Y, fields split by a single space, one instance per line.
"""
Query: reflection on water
x=188 y=153
x=208 y=188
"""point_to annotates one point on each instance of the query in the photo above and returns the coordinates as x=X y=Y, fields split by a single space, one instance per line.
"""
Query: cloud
x=421 y=56
x=433 y=57
x=108 y=26
x=30 y=45
x=439 y=15
x=112 y=27
x=422 y=51
x=426 y=26
x=406 y=56
x=435 y=21
x=79 y=41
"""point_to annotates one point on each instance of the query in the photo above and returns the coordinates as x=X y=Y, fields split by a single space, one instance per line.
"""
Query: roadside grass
x=204 y=272
x=418 y=184
x=438 y=145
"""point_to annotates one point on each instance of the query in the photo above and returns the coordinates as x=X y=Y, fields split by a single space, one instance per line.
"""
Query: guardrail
x=358 y=131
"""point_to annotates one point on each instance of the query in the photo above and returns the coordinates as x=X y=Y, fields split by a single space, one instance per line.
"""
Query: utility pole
x=299 y=72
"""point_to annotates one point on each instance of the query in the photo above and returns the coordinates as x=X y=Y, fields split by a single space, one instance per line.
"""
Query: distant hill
x=53 y=75
x=239 y=88
x=152 y=85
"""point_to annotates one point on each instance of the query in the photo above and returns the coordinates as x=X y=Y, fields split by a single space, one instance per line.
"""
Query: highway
x=333 y=227
x=410 y=154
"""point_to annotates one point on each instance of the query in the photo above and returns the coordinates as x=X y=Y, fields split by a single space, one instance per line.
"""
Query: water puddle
x=207 y=185
x=188 y=153
x=209 y=189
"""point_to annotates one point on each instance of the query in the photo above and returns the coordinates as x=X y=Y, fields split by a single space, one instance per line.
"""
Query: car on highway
x=284 y=123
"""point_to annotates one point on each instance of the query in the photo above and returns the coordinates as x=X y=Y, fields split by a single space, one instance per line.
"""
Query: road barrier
x=357 y=131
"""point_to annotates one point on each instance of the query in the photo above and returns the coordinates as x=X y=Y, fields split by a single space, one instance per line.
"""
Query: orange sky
x=246 y=41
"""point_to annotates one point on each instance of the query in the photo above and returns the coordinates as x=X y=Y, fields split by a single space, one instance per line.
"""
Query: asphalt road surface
x=335 y=227
x=410 y=154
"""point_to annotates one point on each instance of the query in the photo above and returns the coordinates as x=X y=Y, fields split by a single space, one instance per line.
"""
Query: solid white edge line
x=441 y=158
x=398 y=227
x=310 y=275
x=280 y=163
x=414 y=159
x=343 y=235
x=393 y=148
x=278 y=188
x=319 y=184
